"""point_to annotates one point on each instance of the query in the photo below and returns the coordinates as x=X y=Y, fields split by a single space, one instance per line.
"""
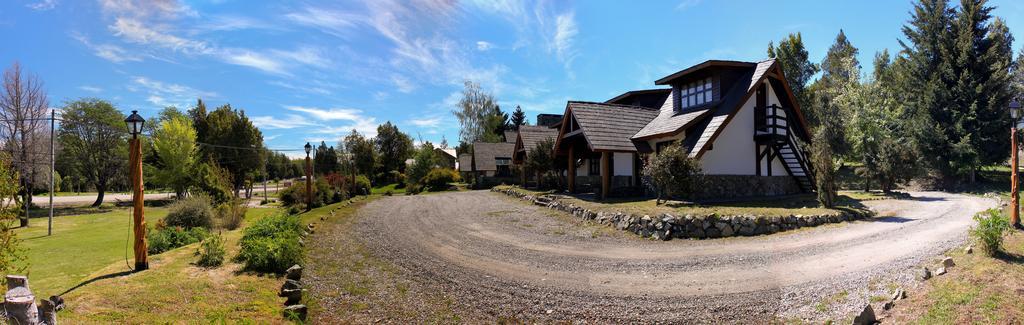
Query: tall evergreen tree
x=834 y=67
x=518 y=118
x=793 y=57
x=957 y=79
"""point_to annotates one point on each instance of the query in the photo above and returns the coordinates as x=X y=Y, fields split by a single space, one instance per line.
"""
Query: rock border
x=666 y=226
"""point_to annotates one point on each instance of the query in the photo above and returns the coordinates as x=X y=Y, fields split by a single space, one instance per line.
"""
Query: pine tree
x=518 y=118
x=793 y=58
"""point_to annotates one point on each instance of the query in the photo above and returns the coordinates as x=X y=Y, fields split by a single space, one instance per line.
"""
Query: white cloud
x=337 y=23
x=92 y=89
x=367 y=125
x=484 y=46
x=291 y=121
x=686 y=4
x=305 y=55
x=43 y=5
x=254 y=60
x=147 y=8
x=565 y=33
x=110 y=52
x=403 y=84
x=217 y=23
x=430 y=122
x=309 y=89
x=167 y=94
x=137 y=31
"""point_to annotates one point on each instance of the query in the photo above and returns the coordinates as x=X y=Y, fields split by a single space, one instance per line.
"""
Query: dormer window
x=695 y=93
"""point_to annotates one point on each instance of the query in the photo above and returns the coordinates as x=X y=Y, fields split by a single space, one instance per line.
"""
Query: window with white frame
x=695 y=93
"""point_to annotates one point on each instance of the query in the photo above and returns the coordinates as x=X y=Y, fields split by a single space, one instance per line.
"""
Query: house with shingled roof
x=528 y=138
x=739 y=119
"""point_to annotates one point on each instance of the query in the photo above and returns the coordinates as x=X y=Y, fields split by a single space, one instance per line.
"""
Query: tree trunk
x=99 y=195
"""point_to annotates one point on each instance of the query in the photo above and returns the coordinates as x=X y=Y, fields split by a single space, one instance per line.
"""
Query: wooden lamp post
x=1015 y=108
x=309 y=177
x=135 y=123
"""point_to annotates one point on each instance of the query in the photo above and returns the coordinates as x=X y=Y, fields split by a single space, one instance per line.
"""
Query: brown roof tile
x=609 y=126
x=485 y=153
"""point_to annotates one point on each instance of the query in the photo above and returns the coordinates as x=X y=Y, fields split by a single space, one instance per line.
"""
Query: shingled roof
x=711 y=126
x=531 y=135
x=466 y=162
x=609 y=127
x=670 y=122
x=485 y=153
x=650 y=98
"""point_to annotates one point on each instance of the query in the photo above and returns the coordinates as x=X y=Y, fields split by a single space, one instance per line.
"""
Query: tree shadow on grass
x=102 y=277
x=1011 y=258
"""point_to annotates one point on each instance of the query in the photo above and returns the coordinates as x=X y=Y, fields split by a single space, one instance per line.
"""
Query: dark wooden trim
x=796 y=105
x=668 y=79
x=739 y=105
x=605 y=174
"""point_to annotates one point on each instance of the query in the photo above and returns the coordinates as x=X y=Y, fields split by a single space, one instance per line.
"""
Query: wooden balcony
x=771 y=123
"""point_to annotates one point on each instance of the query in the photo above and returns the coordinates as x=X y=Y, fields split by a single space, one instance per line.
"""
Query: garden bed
x=698 y=222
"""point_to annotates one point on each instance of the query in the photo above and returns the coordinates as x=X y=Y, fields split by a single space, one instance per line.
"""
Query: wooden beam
x=606 y=174
x=572 y=170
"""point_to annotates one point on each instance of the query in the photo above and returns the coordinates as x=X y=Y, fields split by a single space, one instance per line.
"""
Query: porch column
x=606 y=173
x=572 y=171
x=522 y=175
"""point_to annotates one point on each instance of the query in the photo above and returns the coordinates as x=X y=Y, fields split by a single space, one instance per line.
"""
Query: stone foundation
x=666 y=226
x=738 y=186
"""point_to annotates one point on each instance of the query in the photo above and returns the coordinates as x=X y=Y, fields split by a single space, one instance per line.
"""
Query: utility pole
x=49 y=225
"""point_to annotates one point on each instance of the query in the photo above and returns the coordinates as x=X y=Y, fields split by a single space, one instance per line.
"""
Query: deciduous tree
x=672 y=173
x=394 y=147
x=93 y=137
x=23 y=108
x=174 y=143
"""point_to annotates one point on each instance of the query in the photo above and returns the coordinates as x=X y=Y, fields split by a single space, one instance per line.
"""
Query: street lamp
x=1015 y=112
x=134 y=123
x=309 y=176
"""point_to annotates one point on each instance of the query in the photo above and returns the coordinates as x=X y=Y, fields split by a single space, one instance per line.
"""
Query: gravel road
x=502 y=258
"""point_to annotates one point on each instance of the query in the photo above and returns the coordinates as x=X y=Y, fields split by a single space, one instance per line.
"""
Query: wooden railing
x=772 y=121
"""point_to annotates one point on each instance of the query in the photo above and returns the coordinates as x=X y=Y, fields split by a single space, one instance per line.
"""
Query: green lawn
x=390 y=187
x=79 y=246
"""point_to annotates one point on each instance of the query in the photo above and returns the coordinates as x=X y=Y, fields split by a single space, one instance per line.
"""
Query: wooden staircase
x=794 y=159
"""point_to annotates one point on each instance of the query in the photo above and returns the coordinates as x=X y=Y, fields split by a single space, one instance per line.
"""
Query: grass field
x=86 y=255
x=978 y=290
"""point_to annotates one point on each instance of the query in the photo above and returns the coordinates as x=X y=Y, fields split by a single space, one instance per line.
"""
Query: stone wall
x=667 y=226
x=737 y=186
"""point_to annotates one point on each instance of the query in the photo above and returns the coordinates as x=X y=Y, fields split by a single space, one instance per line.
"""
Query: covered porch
x=600 y=157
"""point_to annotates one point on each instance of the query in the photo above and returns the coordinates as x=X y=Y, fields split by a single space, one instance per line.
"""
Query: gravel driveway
x=501 y=258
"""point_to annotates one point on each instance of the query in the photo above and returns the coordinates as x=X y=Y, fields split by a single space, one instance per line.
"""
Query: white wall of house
x=733 y=151
x=623 y=164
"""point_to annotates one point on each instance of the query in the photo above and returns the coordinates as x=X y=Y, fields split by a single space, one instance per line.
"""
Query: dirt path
x=503 y=258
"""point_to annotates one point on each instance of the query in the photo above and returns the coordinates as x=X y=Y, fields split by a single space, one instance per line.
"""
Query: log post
x=141 y=251
x=572 y=171
x=606 y=174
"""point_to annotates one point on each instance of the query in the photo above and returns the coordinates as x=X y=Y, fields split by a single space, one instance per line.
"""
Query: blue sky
x=311 y=71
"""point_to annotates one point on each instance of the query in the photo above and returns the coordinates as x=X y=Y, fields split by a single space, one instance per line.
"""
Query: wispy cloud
x=110 y=52
x=565 y=34
x=92 y=89
x=164 y=94
x=334 y=22
x=403 y=84
x=687 y=4
x=430 y=122
x=354 y=118
x=43 y=5
x=290 y=121
x=484 y=46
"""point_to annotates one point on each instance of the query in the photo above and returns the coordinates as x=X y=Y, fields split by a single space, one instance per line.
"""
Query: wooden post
x=522 y=175
x=572 y=171
x=1014 y=179
x=309 y=184
x=606 y=174
x=141 y=258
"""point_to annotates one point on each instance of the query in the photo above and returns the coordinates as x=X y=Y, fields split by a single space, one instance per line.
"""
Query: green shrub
x=413 y=189
x=168 y=238
x=361 y=185
x=992 y=225
x=396 y=177
x=438 y=179
x=293 y=210
x=211 y=251
x=271 y=244
x=190 y=212
x=230 y=214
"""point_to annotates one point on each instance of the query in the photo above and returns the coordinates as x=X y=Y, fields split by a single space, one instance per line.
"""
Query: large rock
x=294 y=273
x=924 y=274
x=866 y=317
x=948 y=262
x=296 y=312
x=726 y=231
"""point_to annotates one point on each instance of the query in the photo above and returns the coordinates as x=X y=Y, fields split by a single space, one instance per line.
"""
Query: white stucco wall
x=733 y=150
x=623 y=164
